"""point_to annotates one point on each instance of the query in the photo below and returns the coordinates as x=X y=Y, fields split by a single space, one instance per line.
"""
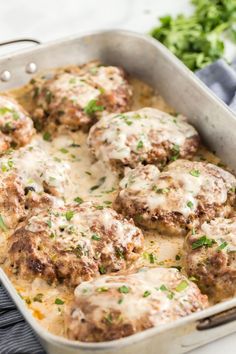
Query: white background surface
x=50 y=19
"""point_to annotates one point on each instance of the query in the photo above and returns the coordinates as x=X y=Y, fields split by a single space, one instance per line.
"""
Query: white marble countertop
x=50 y=19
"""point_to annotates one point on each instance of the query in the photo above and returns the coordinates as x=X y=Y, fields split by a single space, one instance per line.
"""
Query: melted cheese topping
x=179 y=188
x=35 y=167
x=153 y=293
x=108 y=78
x=73 y=228
x=221 y=230
x=76 y=89
x=123 y=134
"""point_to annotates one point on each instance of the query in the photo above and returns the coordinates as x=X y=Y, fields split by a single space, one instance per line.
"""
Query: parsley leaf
x=69 y=215
x=196 y=39
x=195 y=173
x=92 y=107
x=123 y=289
x=203 y=241
x=59 y=301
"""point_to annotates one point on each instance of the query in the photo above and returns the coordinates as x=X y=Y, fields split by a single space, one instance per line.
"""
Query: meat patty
x=73 y=243
x=16 y=127
x=147 y=136
x=210 y=257
x=116 y=306
x=176 y=199
x=75 y=99
x=25 y=173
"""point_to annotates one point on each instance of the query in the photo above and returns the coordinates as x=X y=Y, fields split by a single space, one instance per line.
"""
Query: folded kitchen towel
x=220 y=77
x=16 y=337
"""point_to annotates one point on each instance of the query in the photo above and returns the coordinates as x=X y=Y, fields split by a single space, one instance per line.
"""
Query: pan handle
x=30 y=68
x=217 y=320
x=20 y=40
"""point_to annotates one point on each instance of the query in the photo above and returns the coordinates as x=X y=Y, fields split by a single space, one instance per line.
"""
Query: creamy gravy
x=89 y=181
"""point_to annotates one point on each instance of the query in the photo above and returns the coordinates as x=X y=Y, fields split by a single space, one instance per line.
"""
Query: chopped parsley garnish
x=102 y=289
x=175 y=152
x=95 y=237
x=195 y=173
x=140 y=144
x=120 y=253
x=146 y=293
x=124 y=289
x=192 y=278
x=163 y=288
x=4 y=110
x=10 y=163
x=92 y=107
x=7 y=166
x=100 y=183
x=74 y=145
x=126 y=119
x=151 y=258
x=48 y=96
x=64 y=151
x=107 y=202
x=99 y=207
x=108 y=318
x=3 y=226
x=72 y=80
x=120 y=300
x=170 y=294
x=110 y=190
x=69 y=215
x=182 y=286
x=47 y=136
x=203 y=241
x=190 y=204
x=177 y=257
x=59 y=301
x=102 y=269
x=38 y=298
x=78 y=200
x=160 y=190
x=49 y=223
x=222 y=246
x=88 y=173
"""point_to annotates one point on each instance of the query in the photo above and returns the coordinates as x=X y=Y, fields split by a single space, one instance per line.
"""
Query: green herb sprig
x=197 y=39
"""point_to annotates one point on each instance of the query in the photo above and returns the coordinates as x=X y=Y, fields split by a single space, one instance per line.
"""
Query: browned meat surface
x=209 y=255
x=25 y=175
x=76 y=99
x=176 y=199
x=116 y=306
x=73 y=243
x=16 y=127
x=12 y=201
x=147 y=136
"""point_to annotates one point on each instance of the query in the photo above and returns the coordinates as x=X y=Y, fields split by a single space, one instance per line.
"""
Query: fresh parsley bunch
x=197 y=39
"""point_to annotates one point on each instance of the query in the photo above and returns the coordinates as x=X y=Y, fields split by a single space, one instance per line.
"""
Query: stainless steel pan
x=148 y=60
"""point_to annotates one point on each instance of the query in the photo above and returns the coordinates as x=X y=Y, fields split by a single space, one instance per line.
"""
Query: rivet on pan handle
x=30 y=68
x=217 y=320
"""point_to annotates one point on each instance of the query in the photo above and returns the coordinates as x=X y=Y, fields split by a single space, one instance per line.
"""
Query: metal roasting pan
x=150 y=61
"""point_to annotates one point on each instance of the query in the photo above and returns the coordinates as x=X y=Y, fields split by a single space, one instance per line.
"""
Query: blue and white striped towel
x=16 y=337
